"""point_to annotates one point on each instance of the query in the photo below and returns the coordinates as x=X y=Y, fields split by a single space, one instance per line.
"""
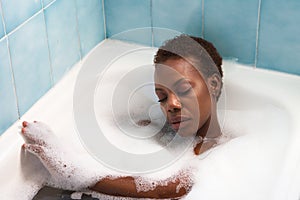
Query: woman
x=188 y=82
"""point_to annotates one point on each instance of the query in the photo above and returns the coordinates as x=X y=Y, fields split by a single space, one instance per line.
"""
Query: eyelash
x=179 y=93
x=162 y=100
x=184 y=92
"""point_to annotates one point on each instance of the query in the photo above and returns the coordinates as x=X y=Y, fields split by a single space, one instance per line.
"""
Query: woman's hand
x=66 y=170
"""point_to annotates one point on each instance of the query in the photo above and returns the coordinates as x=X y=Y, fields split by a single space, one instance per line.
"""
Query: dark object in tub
x=144 y=122
x=49 y=193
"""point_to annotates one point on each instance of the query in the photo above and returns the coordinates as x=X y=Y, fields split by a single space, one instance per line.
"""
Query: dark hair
x=185 y=46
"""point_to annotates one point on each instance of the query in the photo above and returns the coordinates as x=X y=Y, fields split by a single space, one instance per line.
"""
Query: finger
x=25 y=124
x=26 y=136
x=23 y=130
x=35 y=149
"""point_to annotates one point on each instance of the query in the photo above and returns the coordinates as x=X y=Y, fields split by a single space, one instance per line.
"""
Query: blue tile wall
x=30 y=62
x=231 y=25
x=47 y=2
x=279 y=41
x=129 y=20
x=39 y=41
x=90 y=24
x=8 y=104
x=1 y=24
x=63 y=38
x=259 y=33
x=172 y=18
x=17 y=11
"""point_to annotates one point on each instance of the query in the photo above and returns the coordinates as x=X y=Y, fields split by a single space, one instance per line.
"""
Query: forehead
x=173 y=70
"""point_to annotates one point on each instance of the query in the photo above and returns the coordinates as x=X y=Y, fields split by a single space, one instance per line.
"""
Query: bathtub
x=266 y=167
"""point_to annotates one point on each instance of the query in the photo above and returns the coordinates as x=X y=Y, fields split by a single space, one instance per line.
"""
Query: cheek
x=200 y=103
x=204 y=105
x=203 y=95
x=164 y=110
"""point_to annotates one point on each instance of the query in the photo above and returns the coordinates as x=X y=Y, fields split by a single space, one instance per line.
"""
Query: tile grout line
x=49 y=4
x=10 y=64
x=31 y=17
x=78 y=34
x=25 y=22
x=6 y=36
x=104 y=20
x=49 y=54
x=202 y=20
x=3 y=23
x=257 y=34
x=151 y=23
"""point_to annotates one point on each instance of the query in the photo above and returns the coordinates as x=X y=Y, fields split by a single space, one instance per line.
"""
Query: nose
x=173 y=104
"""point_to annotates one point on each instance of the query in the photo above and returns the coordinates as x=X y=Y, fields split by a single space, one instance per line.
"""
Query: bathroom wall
x=39 y=41
x=259 y=33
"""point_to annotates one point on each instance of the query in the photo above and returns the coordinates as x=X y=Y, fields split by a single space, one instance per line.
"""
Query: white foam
x=69 y=172
x=249 y=166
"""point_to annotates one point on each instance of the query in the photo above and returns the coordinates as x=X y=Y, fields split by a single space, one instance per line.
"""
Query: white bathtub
x=266 y=168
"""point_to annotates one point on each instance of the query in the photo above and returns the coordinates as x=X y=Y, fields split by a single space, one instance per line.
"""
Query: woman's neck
x=208 y=135
x=211 y=128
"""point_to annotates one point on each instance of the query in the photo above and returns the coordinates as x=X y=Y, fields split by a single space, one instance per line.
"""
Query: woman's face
x=183 y=95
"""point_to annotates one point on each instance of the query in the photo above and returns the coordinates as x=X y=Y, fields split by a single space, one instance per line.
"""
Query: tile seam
x=151 y=23
x=13 y=81
x=104 y=20
x=257 y=34
x=202 y=20
x=48 y=47
x=13 y=78
x=78 y=34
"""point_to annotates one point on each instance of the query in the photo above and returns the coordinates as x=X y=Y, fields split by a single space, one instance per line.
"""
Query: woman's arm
x=66 y=173
x=126 y=187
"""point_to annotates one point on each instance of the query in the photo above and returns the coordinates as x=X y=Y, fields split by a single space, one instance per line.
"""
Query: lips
x=178 y=121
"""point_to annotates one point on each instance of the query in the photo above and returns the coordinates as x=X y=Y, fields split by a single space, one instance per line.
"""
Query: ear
x=214 y=85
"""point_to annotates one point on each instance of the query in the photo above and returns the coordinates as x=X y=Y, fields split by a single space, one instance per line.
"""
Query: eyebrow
x=158 y=89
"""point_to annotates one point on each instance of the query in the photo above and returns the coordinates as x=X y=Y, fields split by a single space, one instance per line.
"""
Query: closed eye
x=184 y=92
x=183 y=88
x=162 y=100
x=161 y=95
